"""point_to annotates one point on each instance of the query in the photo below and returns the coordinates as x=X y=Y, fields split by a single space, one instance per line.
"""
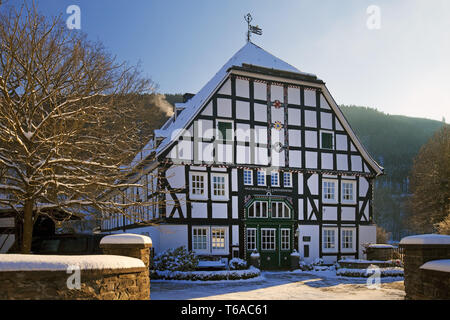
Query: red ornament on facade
x=277 y=104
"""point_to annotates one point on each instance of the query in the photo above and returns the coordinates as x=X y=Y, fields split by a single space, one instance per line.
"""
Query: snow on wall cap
x=126 y=238
x=437 y=265
x=254 y=254
x=381 y=246
x=35 y=262
x=426 y=239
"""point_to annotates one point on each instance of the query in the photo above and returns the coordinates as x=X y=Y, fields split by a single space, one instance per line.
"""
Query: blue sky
x=401 y=68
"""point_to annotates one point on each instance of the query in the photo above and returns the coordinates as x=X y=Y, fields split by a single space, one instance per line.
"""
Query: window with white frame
x=251 y=239
x=280 y=210
x=329 y=190
x=287 y=179
x=198 y=185
x=200 y=239
x=248 y=177
x=329 y=239
x=268 y=239
x=275 y=179
x=348 y=191
x=261 y=178
x=218 y=239
x=219 y=182
x=258 y=209
x=285 y=239
x=347 y=239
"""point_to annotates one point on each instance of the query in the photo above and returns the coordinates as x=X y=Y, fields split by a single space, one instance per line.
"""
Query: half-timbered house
x=260 y=159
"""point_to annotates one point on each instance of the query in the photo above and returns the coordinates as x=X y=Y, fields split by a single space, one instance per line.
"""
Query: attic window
x=225 y=130
x=326 y=139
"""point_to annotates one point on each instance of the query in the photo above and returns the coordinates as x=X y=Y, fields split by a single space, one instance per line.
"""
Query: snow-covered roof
x=126 y=238
x=34 y=262
x=248 y=54
x=426 y=239
x=437 y=265
x=380 y=246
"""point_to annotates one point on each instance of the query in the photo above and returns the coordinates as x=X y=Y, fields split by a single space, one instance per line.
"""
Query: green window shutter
x=225 y=130
x=327 y=140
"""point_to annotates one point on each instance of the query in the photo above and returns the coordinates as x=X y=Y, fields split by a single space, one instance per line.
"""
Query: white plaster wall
x=294 y=96
x=242 y=88
x=199 y=210
x=224 y=153
x=326 y=120
x=329 y=213
x=363 y=186
x=341 y=142
x=260 y=90
x=235 y=235
x=277 y=114
x=235 y=209
x=310 y=98
x=313 y=184
x=310 y=139
x=175 y=176
x=300 y=209
x=356 y=163
x=260 y=113
x=219 y=210
x=295 y=158
x=367 y=234
x=300 y=183
x=173 y=236
x=243 y=132
x=342 y=162
x=348 y=213
x=205 y=128
x=243 y=154
x=295 y=138
x=310 y=119
x=276 y=93
x=327 y=161
x=234 y=180
x=260 y=134
x=226 y=88
x=242 y=110
x=208 y=110
x=324 y=103
x=311 y=159
x=185 y=150
x=224 y=107
x=261 y=156
x=294 y=116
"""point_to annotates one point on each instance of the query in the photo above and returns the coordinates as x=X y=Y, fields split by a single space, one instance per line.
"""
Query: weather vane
x=251 y=29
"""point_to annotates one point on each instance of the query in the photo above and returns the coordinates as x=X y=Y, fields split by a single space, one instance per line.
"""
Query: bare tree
x=60 y=95
x=430 y=184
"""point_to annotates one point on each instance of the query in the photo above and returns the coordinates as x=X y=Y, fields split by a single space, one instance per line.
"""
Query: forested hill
x=392 y=140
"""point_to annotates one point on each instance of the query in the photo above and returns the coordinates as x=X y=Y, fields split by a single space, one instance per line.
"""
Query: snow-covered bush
x=237 y=264
x=251 y=272
x=178 y=259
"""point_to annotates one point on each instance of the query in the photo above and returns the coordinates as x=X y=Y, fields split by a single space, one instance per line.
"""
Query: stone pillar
x=128 y=244
x=417 y=251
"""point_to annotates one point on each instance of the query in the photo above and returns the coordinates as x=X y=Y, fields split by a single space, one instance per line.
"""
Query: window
x=268 y=239
x=258 y=209
x=225 y=130
x=280 y=210
x=200 y=238
x=287 y=179
x=275 y=179
x=261 y=178
x=219 y=184
x=210 y=240
x=285 y=239
x=218 y=239
x=326 y=140
x=248 y=177
x=329 y=239
x=329 y=190
x=199 y=185
x=348 y=191
x=347 y=239
x=251 y=239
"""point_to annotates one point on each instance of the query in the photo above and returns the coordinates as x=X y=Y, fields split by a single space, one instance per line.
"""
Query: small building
x=260 y=159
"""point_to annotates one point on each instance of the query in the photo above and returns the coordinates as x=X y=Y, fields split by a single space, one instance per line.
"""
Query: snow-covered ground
x=311 y=285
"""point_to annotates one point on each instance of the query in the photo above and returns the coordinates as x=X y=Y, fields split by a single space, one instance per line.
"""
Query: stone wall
x=122 y=273
x=107 y=284
x=419 y=284
x=436 y=285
